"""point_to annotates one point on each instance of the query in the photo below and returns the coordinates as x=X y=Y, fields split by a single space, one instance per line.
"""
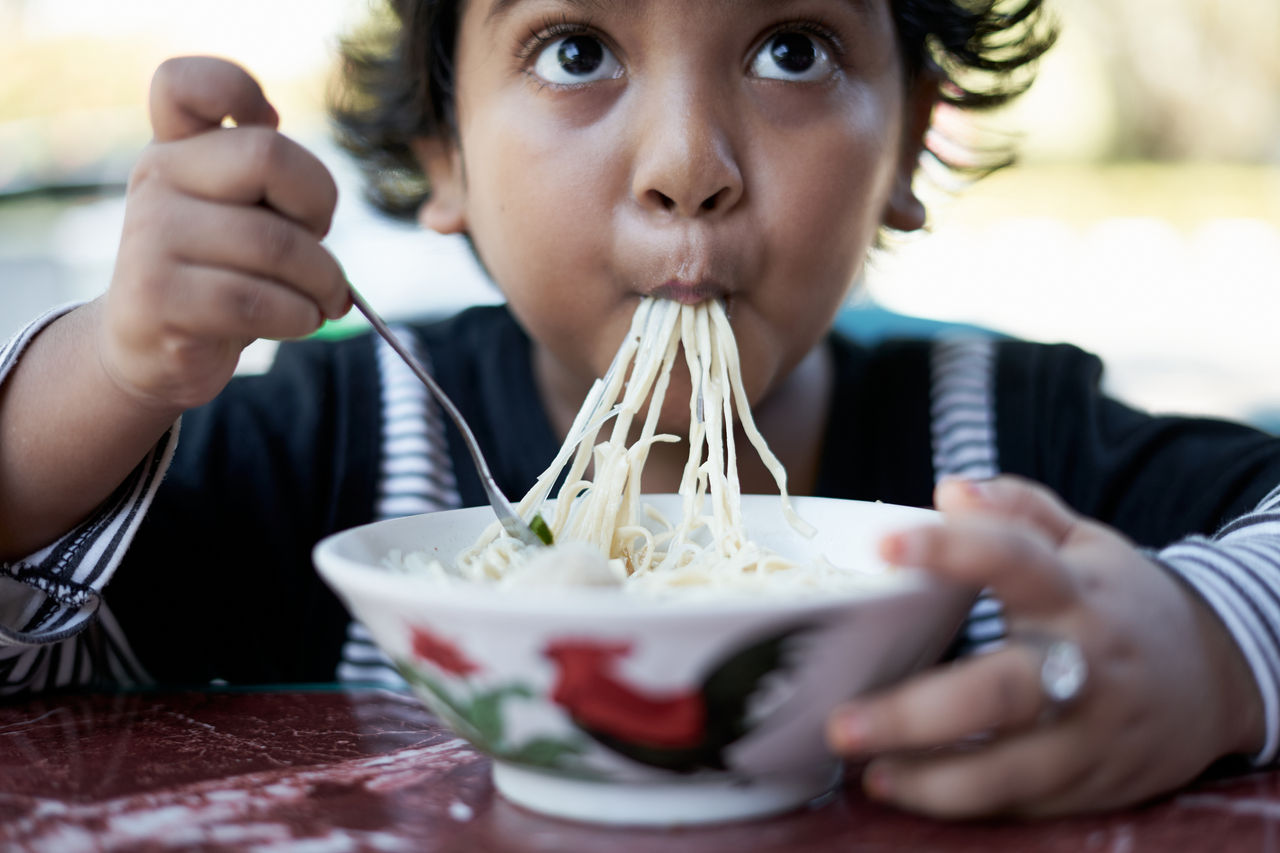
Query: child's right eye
x=576 y=59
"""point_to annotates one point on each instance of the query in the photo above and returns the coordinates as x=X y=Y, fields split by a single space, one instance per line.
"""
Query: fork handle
x=507 y=514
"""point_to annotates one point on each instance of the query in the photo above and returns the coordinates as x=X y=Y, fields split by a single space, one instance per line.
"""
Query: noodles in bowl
x=609 y=535
x=794 y=566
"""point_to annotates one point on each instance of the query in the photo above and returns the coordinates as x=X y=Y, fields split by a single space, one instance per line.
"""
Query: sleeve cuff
x=52 y=594
x=1240 y=581
x=61 y=584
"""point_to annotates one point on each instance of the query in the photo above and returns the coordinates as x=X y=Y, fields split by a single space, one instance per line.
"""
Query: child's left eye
x=576 y=59
x=791 y=55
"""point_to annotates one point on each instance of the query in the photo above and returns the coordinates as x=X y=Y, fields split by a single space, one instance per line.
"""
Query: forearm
x=68 y=435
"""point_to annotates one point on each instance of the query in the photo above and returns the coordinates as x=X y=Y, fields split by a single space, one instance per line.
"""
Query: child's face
x=694 y=149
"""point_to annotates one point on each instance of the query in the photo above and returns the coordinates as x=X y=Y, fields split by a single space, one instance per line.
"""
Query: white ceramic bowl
x=602 y=706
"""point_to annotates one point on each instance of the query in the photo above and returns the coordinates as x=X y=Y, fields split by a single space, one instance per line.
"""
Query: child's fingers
x=1010 y=497
x=226 y=304
x=994 y=692
x=185 y=350
x=192 y=94
x=1016 y=560
x=261 y=243
x=248 y=165
x=1032 y=773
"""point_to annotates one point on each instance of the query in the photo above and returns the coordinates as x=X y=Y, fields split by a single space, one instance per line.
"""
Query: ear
x=905 y=211
x=445 y=209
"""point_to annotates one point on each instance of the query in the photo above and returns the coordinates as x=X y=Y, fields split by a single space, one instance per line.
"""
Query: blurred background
x=1142 y=221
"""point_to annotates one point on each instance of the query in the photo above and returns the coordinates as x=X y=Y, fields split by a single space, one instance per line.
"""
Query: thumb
x=1008 y=497
x=194 y=94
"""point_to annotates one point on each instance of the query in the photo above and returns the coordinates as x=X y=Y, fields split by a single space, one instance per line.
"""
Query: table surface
x=336 y=770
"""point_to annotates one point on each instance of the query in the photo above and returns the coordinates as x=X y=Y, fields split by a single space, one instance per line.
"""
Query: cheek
x=828 y=194
x=534 y=187
x=536 y=212
x=846 y=185
x=846 y=170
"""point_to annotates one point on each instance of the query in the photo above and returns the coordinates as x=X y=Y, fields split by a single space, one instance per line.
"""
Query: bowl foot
x=671 y=804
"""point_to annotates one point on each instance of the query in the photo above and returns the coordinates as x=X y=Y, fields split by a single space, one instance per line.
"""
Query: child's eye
x=791 y=55
x=576 y=59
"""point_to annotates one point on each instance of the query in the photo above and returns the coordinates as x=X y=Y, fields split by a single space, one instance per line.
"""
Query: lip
x=689 y=292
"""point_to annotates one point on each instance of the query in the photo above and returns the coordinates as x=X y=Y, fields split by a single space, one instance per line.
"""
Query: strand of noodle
x=637 y=455
x=730 y=491
x=569 y=515
x=644 y=560
x=715 y=412
x=749 y=427
x=492 y=563
x=721 y=352
x=693 y=479
x=643 y=371
x=590 y=418
x=537 y=494
x=639 y=452
x=613 y=471
x=697 y=429
x=588 y=523
x=600 y=518
x=610 y=392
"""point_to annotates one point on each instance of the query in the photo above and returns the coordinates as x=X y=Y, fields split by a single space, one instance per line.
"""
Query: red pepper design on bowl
x=601 y=702
x=441 y=652
x=682 y=730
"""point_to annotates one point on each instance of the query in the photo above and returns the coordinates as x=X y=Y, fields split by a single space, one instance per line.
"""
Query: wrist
x=1240 y=715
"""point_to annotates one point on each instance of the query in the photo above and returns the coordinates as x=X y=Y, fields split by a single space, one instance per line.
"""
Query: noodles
x=629 y=543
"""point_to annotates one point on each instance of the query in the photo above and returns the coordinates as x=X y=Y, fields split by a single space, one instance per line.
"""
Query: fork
x=535 y=532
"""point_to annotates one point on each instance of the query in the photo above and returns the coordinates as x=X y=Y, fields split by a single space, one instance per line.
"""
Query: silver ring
x=1063 y=672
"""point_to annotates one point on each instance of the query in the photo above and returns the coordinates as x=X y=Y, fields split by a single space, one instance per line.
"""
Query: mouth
x=688 y=268
x=690 y=292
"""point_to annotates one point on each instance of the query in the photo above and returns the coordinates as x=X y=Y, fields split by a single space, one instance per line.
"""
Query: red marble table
x=331 y=770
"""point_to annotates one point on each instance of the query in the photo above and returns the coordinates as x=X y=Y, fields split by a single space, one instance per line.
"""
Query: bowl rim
x=344 y=573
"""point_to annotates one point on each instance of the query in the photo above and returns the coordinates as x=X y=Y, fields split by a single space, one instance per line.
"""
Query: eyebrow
x=501 y=7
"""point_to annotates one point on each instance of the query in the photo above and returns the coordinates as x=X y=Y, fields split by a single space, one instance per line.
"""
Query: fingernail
x=975 y=490
x=898 y=549
x=849 y=731
x=338 y=310
x=877 y=782
x=979 y=489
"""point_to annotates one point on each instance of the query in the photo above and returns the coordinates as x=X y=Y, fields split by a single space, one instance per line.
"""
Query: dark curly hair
x=396 y=79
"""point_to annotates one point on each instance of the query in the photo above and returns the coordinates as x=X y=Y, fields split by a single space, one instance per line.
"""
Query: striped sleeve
x=962 y=408
x=962 y=416
x=49 y=598
x=1237 y=572
x=416 y=477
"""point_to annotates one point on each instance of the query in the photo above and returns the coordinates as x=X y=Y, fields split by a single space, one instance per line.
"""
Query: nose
x=685 y=164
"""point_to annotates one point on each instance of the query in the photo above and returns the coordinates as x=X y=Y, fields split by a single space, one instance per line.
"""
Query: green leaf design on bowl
x=477 y=716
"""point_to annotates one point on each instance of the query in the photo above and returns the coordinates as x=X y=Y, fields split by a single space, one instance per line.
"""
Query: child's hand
x=221 y=241
x=1167 y=692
